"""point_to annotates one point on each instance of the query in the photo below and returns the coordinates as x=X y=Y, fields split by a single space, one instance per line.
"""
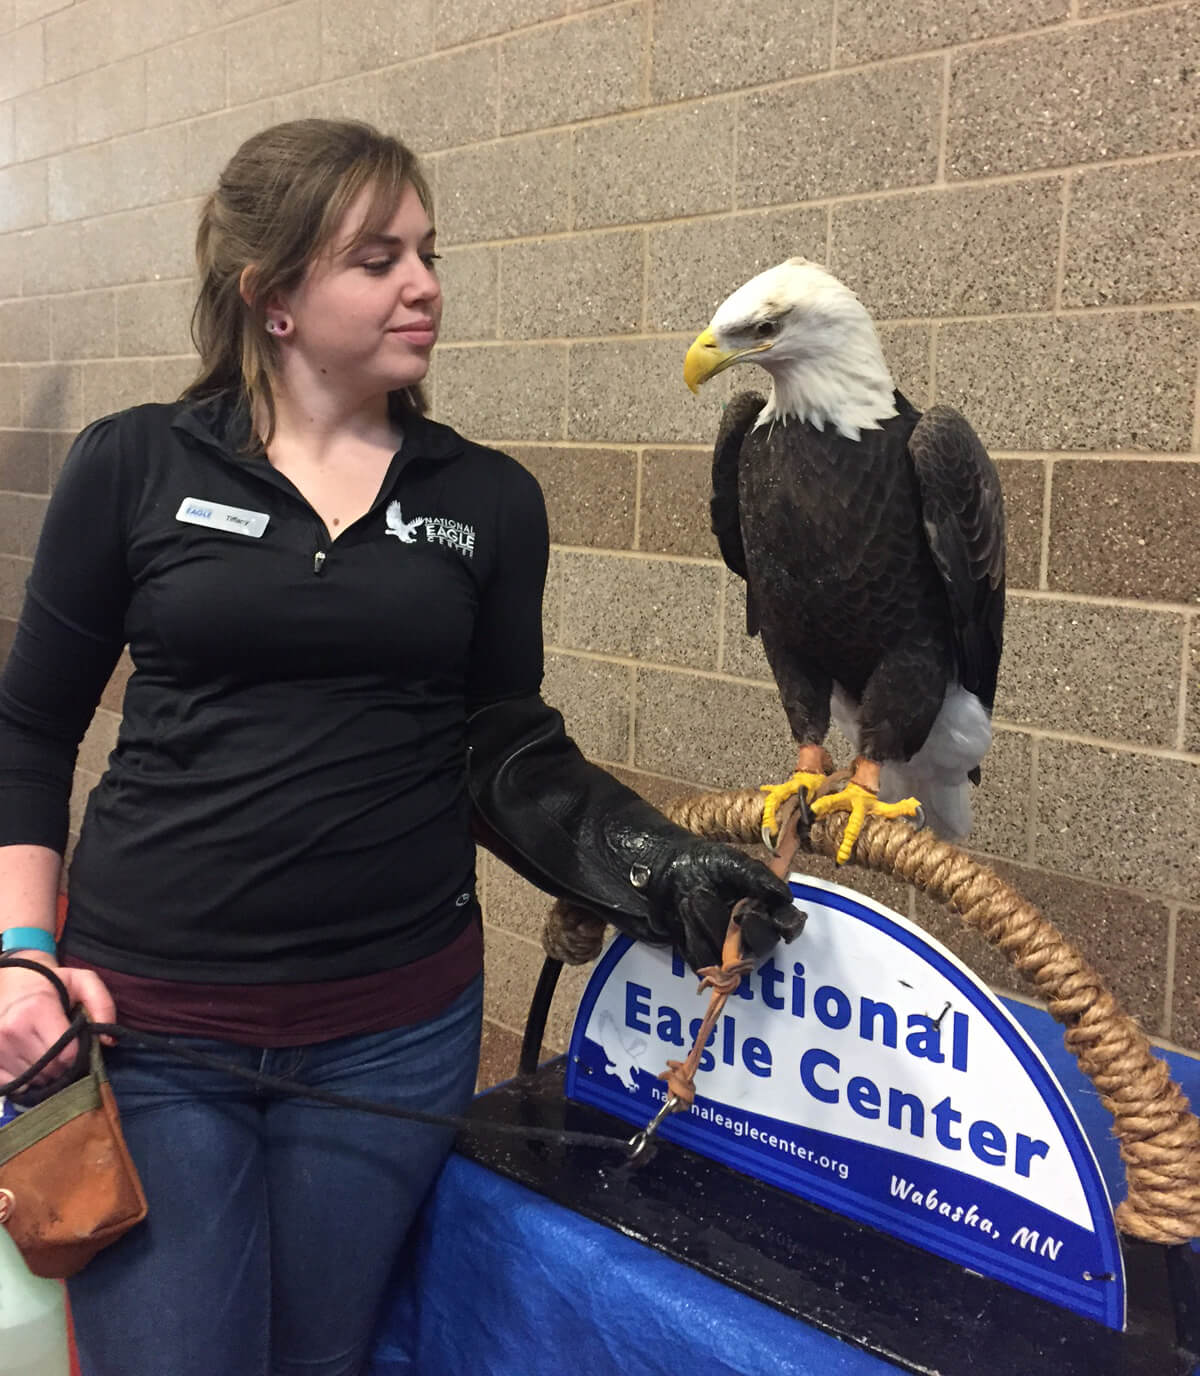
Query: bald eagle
x=871 y=540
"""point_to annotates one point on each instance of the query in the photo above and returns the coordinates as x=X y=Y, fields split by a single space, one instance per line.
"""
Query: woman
x=333 y=606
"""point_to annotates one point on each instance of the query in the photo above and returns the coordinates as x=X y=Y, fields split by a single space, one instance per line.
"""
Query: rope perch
x=1159 y=1135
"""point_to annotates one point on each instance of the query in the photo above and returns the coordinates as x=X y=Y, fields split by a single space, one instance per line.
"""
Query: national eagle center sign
x=864 y=1068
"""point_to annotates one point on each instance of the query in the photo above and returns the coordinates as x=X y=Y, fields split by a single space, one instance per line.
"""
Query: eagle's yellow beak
x=706 y=358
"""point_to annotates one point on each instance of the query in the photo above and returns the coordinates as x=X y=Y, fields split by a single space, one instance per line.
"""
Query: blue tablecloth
x=510 y=1284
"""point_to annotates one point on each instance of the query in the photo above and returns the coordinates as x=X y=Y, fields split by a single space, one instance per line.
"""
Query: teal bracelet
x=28 y=939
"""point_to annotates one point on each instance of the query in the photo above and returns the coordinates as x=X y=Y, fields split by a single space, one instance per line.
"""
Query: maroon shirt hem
x=277 y=1015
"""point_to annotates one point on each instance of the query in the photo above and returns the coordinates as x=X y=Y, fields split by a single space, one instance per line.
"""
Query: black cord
x=80 y=1026
x=77 y=1027
x=293 y=1088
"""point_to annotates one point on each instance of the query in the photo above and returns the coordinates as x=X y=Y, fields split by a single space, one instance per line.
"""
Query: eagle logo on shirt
x=404 y=531
x=439 y=530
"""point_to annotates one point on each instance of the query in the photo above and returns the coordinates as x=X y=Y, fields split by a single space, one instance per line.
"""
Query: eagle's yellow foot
x=860 y=803
x=778 y=794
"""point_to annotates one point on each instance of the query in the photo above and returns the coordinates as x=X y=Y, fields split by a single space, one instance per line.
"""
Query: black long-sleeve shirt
x=286 y=800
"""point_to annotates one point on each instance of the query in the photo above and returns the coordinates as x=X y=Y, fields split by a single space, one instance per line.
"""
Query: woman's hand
x=32 y=1018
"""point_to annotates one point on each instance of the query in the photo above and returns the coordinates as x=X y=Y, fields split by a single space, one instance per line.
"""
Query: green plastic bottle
x=33 y=1319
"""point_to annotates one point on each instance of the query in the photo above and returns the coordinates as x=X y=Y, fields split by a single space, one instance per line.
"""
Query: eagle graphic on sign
x=621 y=1054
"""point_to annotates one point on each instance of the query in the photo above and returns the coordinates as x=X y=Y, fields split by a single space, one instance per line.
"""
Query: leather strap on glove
x=576 y=832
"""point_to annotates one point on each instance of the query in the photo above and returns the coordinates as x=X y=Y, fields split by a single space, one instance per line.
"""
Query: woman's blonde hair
x=276 y=207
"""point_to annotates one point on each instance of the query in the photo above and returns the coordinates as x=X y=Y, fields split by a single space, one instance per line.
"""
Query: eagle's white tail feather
x=937 y=773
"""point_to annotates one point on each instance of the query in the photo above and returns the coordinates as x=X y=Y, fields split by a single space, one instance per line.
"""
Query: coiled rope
x=1159 y=1135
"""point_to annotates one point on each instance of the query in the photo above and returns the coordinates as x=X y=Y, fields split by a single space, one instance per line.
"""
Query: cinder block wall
x=1012 y=188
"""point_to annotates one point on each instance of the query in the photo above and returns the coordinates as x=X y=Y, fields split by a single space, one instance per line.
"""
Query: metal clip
x=639 y=1143
x=639 y=876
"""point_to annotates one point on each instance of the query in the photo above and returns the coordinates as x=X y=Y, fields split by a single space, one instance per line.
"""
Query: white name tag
x=201 y=513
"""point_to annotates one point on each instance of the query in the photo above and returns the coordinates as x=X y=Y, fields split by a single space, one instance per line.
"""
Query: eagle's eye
x=766 y=328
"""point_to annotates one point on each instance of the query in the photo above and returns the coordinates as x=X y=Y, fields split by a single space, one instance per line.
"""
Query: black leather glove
x=573 y=830
x=693 y=892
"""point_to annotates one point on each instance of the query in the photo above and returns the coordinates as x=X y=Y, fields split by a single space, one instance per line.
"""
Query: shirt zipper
x=320 y=554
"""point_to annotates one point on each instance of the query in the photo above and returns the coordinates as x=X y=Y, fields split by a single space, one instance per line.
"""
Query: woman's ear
x=246 y=284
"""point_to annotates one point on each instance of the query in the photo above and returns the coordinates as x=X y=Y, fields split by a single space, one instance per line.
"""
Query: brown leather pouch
x=67 y=1184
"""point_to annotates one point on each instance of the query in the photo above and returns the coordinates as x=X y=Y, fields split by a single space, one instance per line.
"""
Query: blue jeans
x=274 y=1223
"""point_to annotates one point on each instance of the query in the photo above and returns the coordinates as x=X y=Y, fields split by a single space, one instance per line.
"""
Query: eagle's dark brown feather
x=867 y=564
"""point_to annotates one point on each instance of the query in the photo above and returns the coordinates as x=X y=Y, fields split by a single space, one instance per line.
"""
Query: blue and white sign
x=865 y=1068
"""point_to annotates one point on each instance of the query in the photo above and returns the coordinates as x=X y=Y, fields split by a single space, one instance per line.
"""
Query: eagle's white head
x=814 y=337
